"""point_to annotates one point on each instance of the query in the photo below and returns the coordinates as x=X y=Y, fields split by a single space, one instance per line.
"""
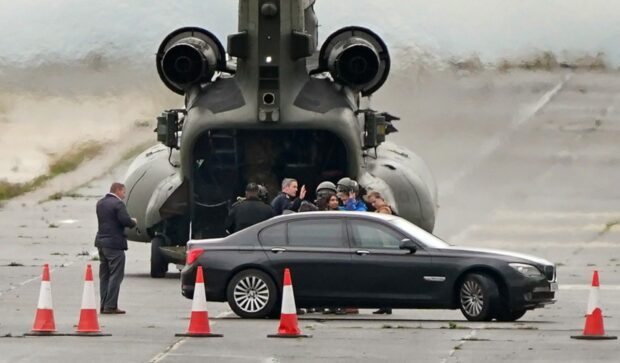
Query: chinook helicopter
x=268 y=107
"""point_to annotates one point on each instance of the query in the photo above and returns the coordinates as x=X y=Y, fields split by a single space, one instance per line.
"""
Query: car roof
x=300 y=216
x=332 y=214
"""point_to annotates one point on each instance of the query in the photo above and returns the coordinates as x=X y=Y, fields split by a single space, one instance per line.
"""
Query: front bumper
x=533 y=294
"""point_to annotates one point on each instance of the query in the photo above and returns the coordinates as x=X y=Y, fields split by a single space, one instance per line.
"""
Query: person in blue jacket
x=348 y=190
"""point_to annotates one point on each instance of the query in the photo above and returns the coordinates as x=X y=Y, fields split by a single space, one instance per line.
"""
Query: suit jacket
x=283 y=202
x=113 y=217
x=248 y=213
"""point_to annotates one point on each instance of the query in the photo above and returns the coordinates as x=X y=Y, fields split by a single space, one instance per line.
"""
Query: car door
x=317 y=253
x=382 y=272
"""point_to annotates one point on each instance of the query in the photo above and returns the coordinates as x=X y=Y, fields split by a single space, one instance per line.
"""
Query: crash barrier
x=44 y=324
x=289 y=327
x=594 y=329
x=199 y=319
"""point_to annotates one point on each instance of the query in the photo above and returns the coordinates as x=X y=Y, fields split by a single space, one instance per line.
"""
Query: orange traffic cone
x=199 y=321
x=88 y=323
x=288 y=317
x=594 y=328
x=44 y=318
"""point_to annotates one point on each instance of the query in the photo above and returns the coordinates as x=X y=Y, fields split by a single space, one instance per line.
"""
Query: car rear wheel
x=159 y=263
x=478 y=296
x=252 y=294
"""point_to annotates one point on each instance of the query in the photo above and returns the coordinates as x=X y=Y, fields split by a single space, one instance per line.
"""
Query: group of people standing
x=345 y=195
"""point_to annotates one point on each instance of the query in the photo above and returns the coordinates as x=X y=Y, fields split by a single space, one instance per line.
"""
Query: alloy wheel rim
x=472 y=298
x=251 y=294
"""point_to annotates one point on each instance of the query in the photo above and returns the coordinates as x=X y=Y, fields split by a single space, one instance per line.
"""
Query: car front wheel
x=505 y=314
x=252 y=294
x=478 y=296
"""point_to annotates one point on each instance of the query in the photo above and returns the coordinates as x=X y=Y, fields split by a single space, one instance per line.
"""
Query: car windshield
x=419 y=234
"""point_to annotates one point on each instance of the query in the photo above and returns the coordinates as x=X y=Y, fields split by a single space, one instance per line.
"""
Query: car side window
x=373 y=235
x=317 y=233
x=273 y=235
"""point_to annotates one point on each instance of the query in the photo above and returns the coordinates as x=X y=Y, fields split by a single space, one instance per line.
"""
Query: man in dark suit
x=286 y=199
x=111 y=242
x=249 y=211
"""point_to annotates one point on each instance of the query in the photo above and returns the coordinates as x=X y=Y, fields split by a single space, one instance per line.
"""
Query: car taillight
x=193 y=255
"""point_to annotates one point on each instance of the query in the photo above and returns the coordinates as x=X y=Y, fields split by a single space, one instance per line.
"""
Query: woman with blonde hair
x=378 y=203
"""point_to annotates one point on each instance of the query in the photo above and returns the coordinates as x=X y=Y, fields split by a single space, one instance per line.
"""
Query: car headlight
x=526 y=270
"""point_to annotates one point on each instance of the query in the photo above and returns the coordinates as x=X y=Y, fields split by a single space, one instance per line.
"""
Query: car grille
x=550 y=273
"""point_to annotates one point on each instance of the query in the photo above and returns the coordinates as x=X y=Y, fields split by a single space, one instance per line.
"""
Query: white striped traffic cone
x=289 y=328
x=594 y=328
x=44 y=318
x=199 y=321
x=88 y=323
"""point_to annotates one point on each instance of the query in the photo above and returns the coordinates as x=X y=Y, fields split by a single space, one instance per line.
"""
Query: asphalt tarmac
x=526 y=162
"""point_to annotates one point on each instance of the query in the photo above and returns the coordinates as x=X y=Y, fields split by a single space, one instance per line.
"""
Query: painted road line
x=587 y=287
x=533 y=242
x=538 y=228
x=38 y=277
x=224 y=314
x=492 y=144
x=469 y=336
x=550 y=214
x=169 y=349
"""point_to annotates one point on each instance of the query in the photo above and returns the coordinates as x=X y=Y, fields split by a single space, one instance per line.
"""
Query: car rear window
x=273 y=235
x=316 y=233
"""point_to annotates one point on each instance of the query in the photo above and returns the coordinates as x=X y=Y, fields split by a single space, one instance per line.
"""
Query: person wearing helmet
x=324 y=189
x=347 y=191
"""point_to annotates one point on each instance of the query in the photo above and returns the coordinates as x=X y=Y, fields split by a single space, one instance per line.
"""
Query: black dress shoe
x=113 y=311
x=386 y=311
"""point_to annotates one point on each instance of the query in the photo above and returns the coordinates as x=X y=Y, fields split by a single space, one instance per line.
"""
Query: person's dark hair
x=251 y=187
x=307 y=207
x=251 y=190
x=323 y=202
x=116 y=186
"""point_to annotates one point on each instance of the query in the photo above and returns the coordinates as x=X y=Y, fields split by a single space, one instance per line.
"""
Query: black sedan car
x=367 y=260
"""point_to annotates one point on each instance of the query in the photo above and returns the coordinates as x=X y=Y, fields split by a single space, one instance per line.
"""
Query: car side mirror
x=407 y=244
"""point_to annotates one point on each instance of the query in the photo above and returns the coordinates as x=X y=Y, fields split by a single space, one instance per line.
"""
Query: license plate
x=553 y=286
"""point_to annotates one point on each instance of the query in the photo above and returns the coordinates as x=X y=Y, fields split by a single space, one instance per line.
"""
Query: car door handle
x=278 y=250
x=362 y=252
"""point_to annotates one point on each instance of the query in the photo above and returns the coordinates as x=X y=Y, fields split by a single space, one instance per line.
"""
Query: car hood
x=507 y=255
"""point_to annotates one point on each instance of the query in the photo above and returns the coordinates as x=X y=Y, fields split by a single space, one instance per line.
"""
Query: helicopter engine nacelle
x=189 y=56
x=357 y=58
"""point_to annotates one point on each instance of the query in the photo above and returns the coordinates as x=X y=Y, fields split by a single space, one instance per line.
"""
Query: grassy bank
x=61 y=164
